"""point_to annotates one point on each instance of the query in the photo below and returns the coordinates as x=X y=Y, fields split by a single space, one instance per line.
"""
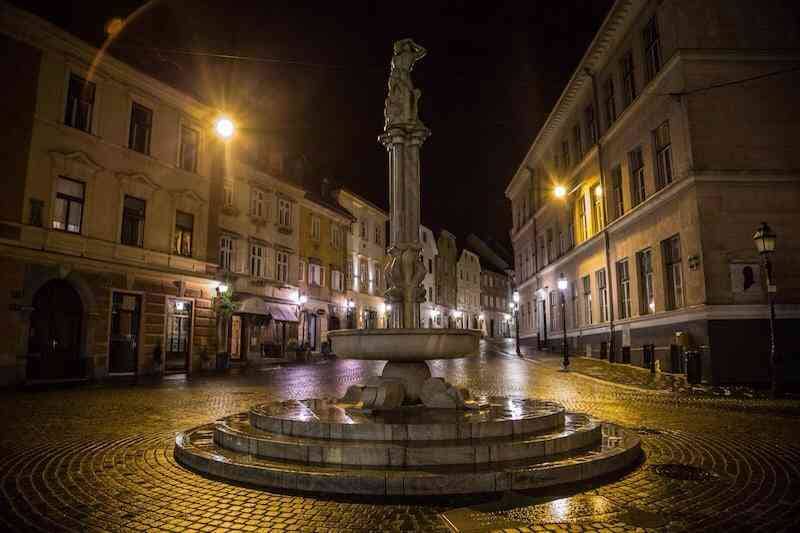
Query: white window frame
x=284 y=212
x=316 y=225
x=226 y=253
x=258 y=203
x=258 y=255
x=281 y=266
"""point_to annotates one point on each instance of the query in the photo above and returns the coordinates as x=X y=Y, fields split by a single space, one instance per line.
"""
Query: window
x=184 y=227
x=663 y=149
x=624 y=289
x=636 y=166
x=315 y=228
x=602 y=293
x=644 y=261
x=430 y=294
x=628 y=79
x=336 y=281
x=587 y=300
x=336 y=235
x=577 y=142
x=616 y=191
x=226 y=252
x=652 y=48
x=282 y=266
x=562 y=243
x=227 y=195
x=565 y=153
x=284 y=212
x=363 y=229
x=575 y=306
x=551 y=250
x=301 y=271
x=80 y=103
x=671 y=249
x=591 y=126
x=553 y=307
x=315 y=275
x=571 y=227
x=378 y=238
x=190 y=140
x=363 y=272
x=583 y=223
x=424 y=237
x=257 y=264
x=257 y=204
x=132 y=221
x=141 y=127
x=430 y=266
x=68 y=212
x=610 y=104
x=597 y=208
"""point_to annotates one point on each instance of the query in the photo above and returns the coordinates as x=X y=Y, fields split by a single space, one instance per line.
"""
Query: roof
x=329 y=204
x=362 y=200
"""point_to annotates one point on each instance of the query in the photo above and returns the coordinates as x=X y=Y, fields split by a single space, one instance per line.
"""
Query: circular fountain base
x=323 y=446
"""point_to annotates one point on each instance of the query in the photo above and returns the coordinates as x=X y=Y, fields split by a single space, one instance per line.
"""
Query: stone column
x=406 y=269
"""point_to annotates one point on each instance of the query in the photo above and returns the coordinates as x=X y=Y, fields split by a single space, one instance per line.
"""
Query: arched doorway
x=54 y=338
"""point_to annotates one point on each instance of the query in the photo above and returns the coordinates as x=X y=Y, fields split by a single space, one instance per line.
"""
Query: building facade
x=321 y=273
x=428 y=308
x=103 y=224
x=495 y=298
x=446 y=279
x=258 y=227
x=365 y=278
x=468 y=289
x=669 y=144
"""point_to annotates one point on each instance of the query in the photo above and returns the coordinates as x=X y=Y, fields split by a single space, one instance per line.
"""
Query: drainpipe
x=606 y=238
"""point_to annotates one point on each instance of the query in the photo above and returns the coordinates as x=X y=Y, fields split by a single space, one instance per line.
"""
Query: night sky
x=315 y=82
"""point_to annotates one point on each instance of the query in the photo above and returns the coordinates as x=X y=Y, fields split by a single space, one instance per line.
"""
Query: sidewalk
x=635 y=377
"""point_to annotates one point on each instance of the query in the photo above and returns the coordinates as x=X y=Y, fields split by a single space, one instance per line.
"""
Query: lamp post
x=301 y=300
x=515 y=307
x=350 y=306
x=764 y=239
x=562 y=289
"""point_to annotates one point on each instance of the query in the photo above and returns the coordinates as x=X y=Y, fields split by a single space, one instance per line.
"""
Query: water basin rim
x=405 y=331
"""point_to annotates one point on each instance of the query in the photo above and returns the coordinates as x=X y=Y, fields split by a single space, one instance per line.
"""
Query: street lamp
x=562 y=288
x=560 y=191
x=515 y=307
x=765 y=239
x=224 y=127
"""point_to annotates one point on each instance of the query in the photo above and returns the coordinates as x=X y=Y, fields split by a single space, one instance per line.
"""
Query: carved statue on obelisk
x=403 y=134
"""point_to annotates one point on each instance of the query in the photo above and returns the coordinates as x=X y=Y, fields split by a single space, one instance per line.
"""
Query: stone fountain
x=405 y=432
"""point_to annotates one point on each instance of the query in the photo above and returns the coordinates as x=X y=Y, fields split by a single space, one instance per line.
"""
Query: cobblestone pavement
x=99 y=458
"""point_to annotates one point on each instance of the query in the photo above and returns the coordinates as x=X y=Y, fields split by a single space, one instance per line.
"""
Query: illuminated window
x=68 y=211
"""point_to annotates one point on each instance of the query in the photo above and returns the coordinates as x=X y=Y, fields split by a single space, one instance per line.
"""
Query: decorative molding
x=75 y=164
x=137 y=180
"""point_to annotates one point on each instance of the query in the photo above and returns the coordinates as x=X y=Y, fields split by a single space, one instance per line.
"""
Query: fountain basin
x=404 y=345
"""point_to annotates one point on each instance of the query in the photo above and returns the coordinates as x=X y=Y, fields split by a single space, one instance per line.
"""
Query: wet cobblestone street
x=100 y=458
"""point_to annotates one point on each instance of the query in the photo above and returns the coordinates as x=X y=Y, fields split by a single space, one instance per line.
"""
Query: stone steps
x=617 y=449
x=235 y=433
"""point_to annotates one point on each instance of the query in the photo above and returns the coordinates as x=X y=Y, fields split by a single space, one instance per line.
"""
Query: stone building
x=671 y=142
x=468 y=291
x=103 y=217
x=428 y=310
x=446 y=280
x=366 y=245
x=256 y=221
x=323 y=252
x=498 y=319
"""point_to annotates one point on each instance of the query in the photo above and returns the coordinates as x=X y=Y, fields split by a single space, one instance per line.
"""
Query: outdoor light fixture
x=224 y=127
x=389 y=307
x=350 y=304
x=560 y=191
x=302 y=299
x=223 y=288
x=511 y=305
x=562 y=289
x=764 y=239
x=515 y=297
x=180 y=305
x=515 y=307
x=598 y=191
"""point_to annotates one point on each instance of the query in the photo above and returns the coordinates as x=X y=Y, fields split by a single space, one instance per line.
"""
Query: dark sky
x=493 y=71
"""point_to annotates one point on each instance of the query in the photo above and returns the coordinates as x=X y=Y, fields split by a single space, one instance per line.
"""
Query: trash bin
x=694 y=367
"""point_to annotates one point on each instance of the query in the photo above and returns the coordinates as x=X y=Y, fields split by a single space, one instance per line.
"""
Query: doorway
x=179 y=335
x=54 y=338
x=543 y=324
x=123 y=349
x=236 y=338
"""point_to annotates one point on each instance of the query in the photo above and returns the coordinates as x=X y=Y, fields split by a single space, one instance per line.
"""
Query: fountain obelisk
x=403 y=135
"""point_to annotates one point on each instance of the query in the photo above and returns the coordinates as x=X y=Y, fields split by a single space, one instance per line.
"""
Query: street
x=100 y=457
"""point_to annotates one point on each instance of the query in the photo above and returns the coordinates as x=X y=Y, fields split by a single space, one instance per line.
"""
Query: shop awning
x=258 y=306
